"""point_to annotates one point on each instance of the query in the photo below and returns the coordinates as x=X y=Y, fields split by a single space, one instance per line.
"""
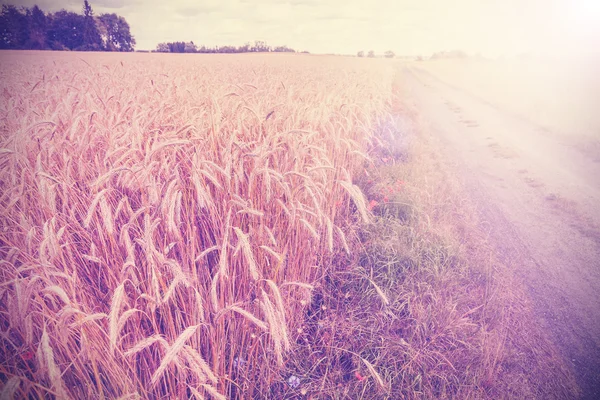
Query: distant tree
x=162 y=48
x=176 y=47
x=371 y=54
x=13 y=27
x=91 y=35
x=190 y=47
x=227 y=49
x=389 y=54
x=66 y=30
x=260 y=47
x=360 y=54
x=244 y=49
x=117 y=36
x=283 y=49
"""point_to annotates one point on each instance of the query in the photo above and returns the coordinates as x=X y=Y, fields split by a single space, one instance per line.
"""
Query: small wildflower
x=293 y=381
x=372 y=205
x=359 y=376
x=238 y=362
x=386 y=199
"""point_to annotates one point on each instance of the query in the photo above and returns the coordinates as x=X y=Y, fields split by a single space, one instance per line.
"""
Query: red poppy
x=385 y=199
x=372 y=205
x=359 y=376
x=28 y=355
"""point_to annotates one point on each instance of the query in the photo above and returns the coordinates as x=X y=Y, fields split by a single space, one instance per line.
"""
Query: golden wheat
x=157 y=210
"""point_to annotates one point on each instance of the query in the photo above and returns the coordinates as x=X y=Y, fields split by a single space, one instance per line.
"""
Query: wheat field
x=164 y=218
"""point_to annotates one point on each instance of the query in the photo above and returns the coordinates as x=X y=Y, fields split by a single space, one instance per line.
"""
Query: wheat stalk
x=247 y=250
x=113 y=316
x=374 y=373
x=54 y=372
x=244 y=313
x=173 y=352
x=213 y=392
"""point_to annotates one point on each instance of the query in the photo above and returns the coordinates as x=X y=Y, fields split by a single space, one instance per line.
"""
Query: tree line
x=371 y=54
x=190 y=47
x=31 y=28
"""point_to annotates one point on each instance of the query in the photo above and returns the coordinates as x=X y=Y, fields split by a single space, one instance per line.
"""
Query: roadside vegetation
x=423 y=308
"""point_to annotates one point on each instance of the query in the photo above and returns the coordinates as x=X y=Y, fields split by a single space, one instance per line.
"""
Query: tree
x=360 y=54
x=283 y=49
x=91 y=35
x=371 y=54
x=13 y=28
x=227 y=49
x=245 y=48
x=162 y=48
x=115 y=33
x=176 y=47
x=66 y=30
x=23 y=28
x=260 y=47
x=190 y=47
x=389 y=54
x=37 y=27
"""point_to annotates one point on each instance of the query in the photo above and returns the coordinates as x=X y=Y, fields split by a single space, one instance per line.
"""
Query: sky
x=407 y=27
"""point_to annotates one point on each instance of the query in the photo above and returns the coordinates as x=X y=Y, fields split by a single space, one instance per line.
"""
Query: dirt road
x=539 y=197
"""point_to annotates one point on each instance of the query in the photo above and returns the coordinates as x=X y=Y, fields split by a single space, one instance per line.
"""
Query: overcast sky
x=410 y=27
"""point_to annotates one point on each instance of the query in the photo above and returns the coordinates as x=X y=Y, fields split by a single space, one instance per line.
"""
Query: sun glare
x=585 y=16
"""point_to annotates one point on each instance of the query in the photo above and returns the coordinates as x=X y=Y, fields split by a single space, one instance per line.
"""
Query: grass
x=243 y=227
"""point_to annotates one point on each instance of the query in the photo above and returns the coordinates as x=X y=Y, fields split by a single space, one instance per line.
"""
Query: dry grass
x=164 y=219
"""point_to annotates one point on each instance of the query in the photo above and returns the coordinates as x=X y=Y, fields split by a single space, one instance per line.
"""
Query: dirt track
x=538 y=194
